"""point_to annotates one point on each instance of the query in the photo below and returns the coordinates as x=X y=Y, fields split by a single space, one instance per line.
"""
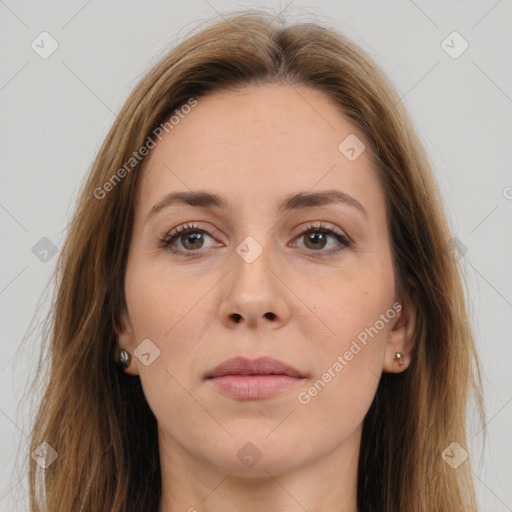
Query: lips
x=245 y=379
x=255 y=367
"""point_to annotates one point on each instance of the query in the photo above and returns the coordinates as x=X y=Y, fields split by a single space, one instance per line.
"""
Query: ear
x=126 y=341
x=401 y=337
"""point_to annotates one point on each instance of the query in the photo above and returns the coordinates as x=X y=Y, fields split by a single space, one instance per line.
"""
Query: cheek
x=350 y=305
x=158 y=299
x=165 y=312
x=349 y=352
x=162 y=310
x=348 y=364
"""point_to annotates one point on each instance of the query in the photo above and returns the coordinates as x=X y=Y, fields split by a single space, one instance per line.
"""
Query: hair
x=96 y=416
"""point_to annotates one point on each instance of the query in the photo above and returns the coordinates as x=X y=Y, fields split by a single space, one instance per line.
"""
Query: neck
x=193 y=485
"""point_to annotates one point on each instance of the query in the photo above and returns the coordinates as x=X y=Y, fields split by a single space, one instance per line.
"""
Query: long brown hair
x=97 y=418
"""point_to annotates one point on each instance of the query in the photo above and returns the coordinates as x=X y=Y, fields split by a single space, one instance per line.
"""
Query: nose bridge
x=256 y=256
x=252 y=260
x=254 y=249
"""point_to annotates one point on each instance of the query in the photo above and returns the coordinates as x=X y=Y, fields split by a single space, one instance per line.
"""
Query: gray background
x=56 y=111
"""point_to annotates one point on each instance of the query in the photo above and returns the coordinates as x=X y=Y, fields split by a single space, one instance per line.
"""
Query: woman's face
x=254 y=275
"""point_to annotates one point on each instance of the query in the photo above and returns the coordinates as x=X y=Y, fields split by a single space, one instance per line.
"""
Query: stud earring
x=399 y=358
x=124 y=359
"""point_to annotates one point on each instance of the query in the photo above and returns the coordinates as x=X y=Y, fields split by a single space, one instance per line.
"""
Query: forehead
x=257 y=143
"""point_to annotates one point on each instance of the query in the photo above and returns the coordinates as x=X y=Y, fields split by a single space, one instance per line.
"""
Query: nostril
x=270 y=316
x=237 y=317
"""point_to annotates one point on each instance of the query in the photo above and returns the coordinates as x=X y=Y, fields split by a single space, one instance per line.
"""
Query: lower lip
x=248 y=387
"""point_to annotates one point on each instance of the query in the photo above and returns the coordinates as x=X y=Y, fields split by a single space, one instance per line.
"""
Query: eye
x=316 y=238
x=189 y=236
x=188 y=239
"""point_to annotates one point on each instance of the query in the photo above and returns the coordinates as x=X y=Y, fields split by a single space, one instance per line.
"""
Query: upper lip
x=260 y=366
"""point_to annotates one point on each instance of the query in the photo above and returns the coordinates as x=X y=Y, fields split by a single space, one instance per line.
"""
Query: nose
x=253 y=295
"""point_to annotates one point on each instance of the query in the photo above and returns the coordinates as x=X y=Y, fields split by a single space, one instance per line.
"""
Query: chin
x=256 y=454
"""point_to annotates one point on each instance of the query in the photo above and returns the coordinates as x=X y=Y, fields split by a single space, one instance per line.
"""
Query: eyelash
x=309 y=228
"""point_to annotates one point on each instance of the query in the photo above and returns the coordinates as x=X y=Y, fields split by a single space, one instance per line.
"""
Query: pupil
x=315 y=237
x=192 y=236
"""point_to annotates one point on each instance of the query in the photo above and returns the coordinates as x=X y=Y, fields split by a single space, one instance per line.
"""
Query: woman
x=257 y=306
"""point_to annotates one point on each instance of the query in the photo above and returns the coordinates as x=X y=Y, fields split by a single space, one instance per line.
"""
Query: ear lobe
x=125 y=339
x=401 y=339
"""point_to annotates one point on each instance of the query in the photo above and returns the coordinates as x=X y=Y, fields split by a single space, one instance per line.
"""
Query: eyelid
x=183 y=228
x=322 y=225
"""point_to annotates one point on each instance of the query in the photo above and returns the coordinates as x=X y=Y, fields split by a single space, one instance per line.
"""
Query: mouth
x=247 y=379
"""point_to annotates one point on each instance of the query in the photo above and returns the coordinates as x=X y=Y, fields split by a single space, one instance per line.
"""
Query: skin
x=255 y=147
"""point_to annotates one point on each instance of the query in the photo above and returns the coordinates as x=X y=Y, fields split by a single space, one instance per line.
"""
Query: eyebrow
x=297 y=201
